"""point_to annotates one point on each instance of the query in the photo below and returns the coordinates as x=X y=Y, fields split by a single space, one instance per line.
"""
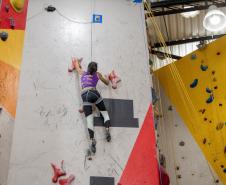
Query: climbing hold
x=213 y=72
x=17 y=5
x=208 y=90
x=224 y=170
x=4 y=36
x=7 y=8
x=218 y=53
x=114 y=79
x=177 y=168
x=0 y=109
x=205 y=119
x=170 y=108
x=50 y=8
x=210 y=121
x=179 y=176
x=194 y=83
x=210 y=99
x=182 y=143
x=193 y=56
x=217 y=181
x=58 y=172
x=202 y=111
x=220 y=104
x=12 y=22
x=204 y=141
x=215 y=87
x=220 y=126
x=67 y=181
x=214 y=79
x=225 y=149
x=222 y=166
x=203 y=68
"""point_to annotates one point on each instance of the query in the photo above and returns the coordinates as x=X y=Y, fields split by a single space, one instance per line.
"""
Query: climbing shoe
x=93 y=146
x=108 y=135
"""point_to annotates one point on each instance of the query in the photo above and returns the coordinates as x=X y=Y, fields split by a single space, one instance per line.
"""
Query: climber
x=90 y=97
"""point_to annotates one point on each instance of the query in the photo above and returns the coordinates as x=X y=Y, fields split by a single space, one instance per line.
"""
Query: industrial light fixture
x=214 y=20
x=190 y=14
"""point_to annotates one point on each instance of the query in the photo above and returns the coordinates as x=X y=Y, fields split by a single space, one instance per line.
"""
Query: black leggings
x=89 y=98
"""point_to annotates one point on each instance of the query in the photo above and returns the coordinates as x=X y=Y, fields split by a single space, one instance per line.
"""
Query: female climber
x=90 y=97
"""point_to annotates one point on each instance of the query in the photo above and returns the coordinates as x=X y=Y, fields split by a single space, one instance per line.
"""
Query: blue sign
x=137 y=1
x=97 y=18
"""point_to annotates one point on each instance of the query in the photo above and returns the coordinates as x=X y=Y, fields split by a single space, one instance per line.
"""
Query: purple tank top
x=88 y=80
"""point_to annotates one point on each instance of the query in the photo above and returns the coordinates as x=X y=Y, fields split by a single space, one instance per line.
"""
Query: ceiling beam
x=160 y=12
x=166 y=54
x=185 y=41
x=169 y=3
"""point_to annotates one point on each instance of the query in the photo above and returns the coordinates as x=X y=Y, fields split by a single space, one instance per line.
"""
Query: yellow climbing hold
x=17 y=5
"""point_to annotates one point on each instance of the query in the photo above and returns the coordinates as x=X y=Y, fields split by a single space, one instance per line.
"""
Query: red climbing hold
x=67 y=181
x=114 y=79
x=58 y=172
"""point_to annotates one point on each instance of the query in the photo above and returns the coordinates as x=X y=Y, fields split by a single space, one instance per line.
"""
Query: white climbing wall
x=48 y=127
x=6 y=130
x=185 y=164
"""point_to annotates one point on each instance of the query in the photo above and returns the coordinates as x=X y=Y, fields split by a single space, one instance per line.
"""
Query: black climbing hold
x=210 y=121
x=204 y=141
x=222 y=166
x=220 y=126
x=179 y=176
x=7 y=8
x=202 y=111
x=50 y=8
x=0 y=109
x=170 y=108
x=203 y=68
x=215 y=87
x=217 y=181
x=194 y=83
x=177 y=168
x=4 y=36
x=210 y=99
x=193 y=56
x=218 y=53
x=208 y=90
x=213 y=72
x=205 y=119
x=220 y=104
x=182 y=143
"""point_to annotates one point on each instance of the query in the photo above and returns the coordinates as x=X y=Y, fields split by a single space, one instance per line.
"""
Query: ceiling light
x=190 y=14
x=214 y=20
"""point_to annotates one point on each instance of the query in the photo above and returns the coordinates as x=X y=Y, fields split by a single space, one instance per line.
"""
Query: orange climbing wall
x=11 y=51
x=204 y=116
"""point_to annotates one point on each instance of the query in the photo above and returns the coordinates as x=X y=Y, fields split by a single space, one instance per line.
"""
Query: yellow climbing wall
x=196 y=86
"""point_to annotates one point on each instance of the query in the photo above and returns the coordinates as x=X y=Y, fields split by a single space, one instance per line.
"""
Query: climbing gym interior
x=112 y=92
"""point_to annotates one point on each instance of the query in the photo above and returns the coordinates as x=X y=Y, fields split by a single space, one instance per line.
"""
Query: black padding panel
x=102 y=181
x=121 y=113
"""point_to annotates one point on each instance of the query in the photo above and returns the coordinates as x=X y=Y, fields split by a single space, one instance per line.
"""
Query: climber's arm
x=104 y=80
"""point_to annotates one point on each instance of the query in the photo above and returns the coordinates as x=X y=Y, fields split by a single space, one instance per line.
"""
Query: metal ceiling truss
x=168 y=7
x=185 y=41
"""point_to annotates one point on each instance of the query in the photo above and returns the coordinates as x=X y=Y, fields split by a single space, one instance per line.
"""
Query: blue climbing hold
x=208 y=90
x=193 y=56
x=210 y=99
x=194 y=83
x=224 y=170
x=203 y=68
